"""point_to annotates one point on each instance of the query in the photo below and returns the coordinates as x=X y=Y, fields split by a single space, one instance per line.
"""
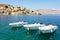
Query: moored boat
x=48 y=29
x=34 y=26
x=17 y=24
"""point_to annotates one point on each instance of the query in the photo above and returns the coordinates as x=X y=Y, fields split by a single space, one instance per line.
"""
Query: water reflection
x=13 y=29
x=36 y=36
x=46 y=36
x=31 y=32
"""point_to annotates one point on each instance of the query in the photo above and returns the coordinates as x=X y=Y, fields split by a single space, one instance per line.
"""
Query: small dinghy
x=17 y=24
x=48 y=29
x=34 y=26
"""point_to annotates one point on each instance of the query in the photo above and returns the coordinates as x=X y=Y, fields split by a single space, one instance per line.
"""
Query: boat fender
x=51 y=30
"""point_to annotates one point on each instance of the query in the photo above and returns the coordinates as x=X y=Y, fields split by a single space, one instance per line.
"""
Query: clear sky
x=34 y=4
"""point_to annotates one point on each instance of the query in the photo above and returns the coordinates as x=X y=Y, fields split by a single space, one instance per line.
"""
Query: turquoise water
x=9 y=33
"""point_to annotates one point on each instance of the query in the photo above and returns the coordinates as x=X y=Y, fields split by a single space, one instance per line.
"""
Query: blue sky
x=34 y=4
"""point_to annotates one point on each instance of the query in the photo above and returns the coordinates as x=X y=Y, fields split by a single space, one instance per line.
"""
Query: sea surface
x=10 y=33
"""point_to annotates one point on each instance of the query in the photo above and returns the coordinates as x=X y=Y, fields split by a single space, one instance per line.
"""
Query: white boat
x=41 y=27
x=48 y=29
x=34 y=26
x=17 y=24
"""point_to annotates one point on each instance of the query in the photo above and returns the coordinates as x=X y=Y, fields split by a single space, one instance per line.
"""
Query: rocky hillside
x=5 y=9
x=11 y=10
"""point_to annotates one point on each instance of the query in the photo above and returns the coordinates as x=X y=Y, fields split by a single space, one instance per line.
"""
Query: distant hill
x=48 y=11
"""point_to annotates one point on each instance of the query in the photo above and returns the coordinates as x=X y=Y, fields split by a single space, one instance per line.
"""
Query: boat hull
x=16 y=25
x=32 y=28
x=48 y=30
